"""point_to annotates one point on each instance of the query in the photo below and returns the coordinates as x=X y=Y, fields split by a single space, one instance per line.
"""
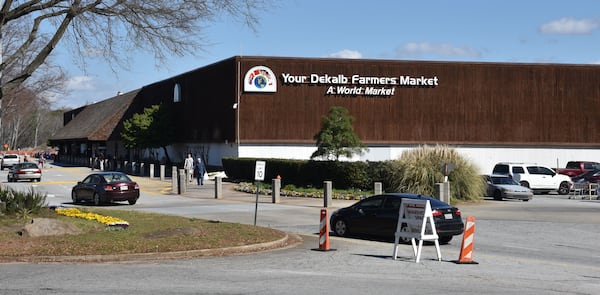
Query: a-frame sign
x=415 y=221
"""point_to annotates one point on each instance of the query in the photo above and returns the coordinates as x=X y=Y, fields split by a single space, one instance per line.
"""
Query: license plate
x=124 y=188
x=448 y=216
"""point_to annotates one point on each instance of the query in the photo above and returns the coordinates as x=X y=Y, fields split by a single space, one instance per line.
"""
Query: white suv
x=536 y=177
x=8 y=160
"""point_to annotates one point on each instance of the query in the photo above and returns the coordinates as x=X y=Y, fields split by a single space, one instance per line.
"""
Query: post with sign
x=259 y=175
x=415 y=222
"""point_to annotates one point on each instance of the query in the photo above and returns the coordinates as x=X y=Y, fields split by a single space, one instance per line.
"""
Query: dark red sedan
x=106 y=187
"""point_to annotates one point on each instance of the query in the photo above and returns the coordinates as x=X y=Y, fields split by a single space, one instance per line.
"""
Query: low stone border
x=286 y=242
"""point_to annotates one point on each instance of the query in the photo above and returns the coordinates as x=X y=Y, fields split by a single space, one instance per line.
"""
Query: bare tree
x=107 y=29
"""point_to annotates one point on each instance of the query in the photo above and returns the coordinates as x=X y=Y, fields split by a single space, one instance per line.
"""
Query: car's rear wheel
x=443 y=240
x=97 y=199
x=74 y=197
x=563 y=189
x=497 y=195
x=402 y=239
x=132 y=201
x=340 y=228
x=524 y=183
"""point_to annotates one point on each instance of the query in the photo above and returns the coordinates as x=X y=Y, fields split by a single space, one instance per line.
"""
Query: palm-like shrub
x=20 y=202
x=417 y=171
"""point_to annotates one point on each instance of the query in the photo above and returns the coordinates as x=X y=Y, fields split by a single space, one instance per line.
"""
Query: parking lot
x=545 y=246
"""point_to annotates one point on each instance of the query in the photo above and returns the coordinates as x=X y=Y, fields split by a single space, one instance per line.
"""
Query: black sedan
x=105 y=187
x=378 y=216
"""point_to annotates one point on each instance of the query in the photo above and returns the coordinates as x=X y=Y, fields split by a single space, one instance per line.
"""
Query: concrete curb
x=286 y=242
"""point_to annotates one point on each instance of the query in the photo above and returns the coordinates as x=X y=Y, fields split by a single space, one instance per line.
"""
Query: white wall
x=483 y=157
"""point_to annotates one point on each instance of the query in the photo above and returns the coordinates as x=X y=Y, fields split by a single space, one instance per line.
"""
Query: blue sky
x=546 y=31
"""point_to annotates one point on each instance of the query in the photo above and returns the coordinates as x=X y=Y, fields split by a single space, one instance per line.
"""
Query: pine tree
x=336 y=137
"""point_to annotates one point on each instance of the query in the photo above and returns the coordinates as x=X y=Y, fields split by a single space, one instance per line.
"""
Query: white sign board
x=415 y=221
x=259 y=171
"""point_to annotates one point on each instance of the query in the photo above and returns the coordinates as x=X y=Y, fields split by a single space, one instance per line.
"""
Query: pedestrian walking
x=41 y=160
x=199 y=170
x=188 y=166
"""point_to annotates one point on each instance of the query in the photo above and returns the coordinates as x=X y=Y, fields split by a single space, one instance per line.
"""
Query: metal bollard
x=218 y=187
x=151 y=171
x=327 y=193
x=276 y=190
x=182 y=183
x=174 y=180
x=378 y=190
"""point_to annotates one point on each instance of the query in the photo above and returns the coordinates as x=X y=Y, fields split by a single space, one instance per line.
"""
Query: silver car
x=24 y=171
x=503 y=187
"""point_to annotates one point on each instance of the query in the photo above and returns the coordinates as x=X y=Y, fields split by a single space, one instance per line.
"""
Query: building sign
x=360 y=85
x=260 y=79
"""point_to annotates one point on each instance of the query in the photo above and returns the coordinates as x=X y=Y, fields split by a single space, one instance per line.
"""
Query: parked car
x=378 y=216
x=537 y=177
x=8 y=160
x=592 y=176
x=586 y=183
x=575 y=168
x=503 y=187
x=24 y=171
x=105 y=187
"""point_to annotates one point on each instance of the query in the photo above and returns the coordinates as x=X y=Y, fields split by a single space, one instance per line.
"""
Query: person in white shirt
x=188 y=165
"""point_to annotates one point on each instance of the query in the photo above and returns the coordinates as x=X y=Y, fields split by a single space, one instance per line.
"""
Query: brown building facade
x=272 y=107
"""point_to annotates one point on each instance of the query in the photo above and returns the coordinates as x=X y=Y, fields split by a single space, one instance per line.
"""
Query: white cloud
x=569 y=26
x=346 y=53
x=80 y=83
x=441 y=49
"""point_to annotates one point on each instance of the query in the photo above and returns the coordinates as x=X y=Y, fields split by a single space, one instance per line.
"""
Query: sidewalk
x=156 y=186
x=207 y=191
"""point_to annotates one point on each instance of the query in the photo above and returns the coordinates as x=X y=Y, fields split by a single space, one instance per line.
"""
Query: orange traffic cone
x=466 y=249
x=324 y=232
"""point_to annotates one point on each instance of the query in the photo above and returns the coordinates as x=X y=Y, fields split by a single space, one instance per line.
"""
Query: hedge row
x=302 y=173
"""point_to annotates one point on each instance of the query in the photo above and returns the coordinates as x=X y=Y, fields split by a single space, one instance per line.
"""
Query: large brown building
x=273 y=106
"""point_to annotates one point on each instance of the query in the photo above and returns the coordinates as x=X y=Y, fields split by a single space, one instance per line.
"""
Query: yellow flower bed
x=108 y=220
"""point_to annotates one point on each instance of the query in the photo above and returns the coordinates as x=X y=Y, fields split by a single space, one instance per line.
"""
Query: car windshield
x=117 y=177
x=27 y=166
x=503 y=180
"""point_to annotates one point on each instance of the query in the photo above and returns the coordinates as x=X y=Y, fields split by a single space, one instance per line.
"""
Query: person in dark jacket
x=199 y=170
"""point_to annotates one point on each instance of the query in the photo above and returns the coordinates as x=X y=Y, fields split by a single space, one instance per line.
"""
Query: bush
x=302 y=173
x=22 y=203
x=418 y=170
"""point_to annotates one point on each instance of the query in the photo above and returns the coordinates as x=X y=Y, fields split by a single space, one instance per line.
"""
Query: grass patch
x=146 y=233
x=305 y=192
